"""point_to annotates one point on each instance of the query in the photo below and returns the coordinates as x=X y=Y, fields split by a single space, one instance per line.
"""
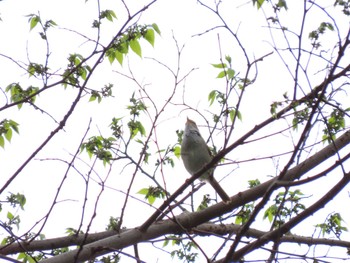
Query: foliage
x=6 y=128
x=184 y=253
x=100 y=147
x=287 y=204
x=333 y=225
x=152 y=193
x=120 y=47
x=267 y=89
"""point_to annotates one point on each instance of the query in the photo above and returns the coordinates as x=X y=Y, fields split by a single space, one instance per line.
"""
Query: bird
x=195 y=154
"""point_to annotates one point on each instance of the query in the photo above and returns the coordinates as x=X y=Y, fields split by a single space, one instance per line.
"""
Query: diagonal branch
x=294 y=221
x=104 y=245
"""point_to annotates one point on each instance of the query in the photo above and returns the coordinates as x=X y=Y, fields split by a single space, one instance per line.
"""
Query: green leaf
x=31 y=69
x=328 y=25
x=230 y=73
x=14 y=125
x=149 y=36
x=51 y=23
x=151 y=199
x=142 y=130
x=16 y=199
x=152 y=193
x=2 y=141
x=5 y=241
x=220 y=65
x=8 y=135
x=34 y=21
x=239 y=115
x=270 y=212
x=95 y=95
x=10 y=215
x=282 y=3
x=114 y=53
x=211 y=97
x=156 y=28
x=253 y=183
x=6 y=131
x=119 y=56
x=82 y=73
x=165 y=243
x=259 y=3
x=177 y=151
x=110 y=54
x=21 y=200
x=204 y=204
x=135 y=128
x=110 y=15
x=123 y=47
x=232 y=114
x=143 y=191
x=135 y=46
x=221 y=75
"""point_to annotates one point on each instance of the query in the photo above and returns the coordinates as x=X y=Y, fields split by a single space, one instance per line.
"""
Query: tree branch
x=105 y=242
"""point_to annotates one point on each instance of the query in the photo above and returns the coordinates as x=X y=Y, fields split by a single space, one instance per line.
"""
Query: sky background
x=182 y=20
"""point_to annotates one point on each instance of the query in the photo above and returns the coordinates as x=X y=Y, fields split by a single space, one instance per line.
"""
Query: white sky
x=182 y=18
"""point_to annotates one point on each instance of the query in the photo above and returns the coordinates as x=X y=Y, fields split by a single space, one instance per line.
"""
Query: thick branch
x=294 y=221
x=206 y=229
x=190 y=220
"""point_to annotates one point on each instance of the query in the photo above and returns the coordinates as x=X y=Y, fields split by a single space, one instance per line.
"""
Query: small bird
x=195 y=155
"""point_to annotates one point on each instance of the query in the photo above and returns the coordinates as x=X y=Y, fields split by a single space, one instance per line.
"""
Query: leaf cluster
x=75 y=71
x=334 y=124
x=223 y=98
x=106 y=92
x=18 y=95
x=152 y=193
x=6 y=130
x=333 y=225
x=100 y=147
x=184 y=253
x=345 y=4
x=131 y=38
x=35 y=20
x=315 y=34
x=246 y=210
x=286 y=205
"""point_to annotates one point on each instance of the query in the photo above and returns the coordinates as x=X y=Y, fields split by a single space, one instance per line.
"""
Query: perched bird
x=195 y=155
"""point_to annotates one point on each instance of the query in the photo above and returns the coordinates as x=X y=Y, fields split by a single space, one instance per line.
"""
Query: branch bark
x=106 y=242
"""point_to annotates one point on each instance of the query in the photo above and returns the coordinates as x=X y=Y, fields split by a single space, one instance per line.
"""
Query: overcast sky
x=182 y=19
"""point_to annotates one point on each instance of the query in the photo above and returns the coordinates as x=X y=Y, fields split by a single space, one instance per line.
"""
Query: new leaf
x=135 y=46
